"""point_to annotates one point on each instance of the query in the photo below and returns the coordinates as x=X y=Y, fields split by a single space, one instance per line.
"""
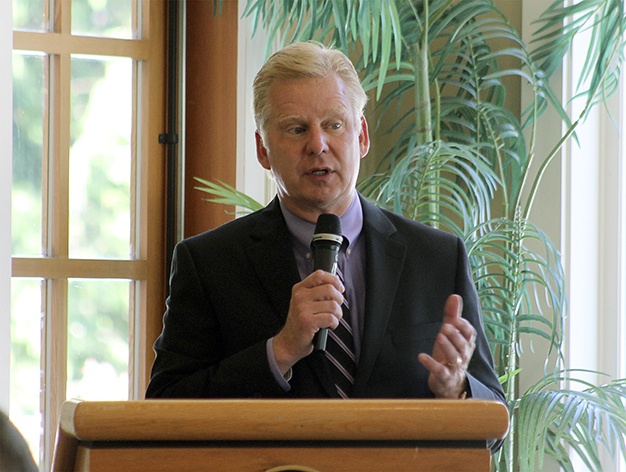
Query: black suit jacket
x=230 y=292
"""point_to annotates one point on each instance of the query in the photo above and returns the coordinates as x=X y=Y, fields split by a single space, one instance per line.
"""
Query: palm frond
x=431 y=185
x=604 y=21
x=376 y=26
x=519 y=279
x=226 y=194
x=468 y=107
x=558 y=420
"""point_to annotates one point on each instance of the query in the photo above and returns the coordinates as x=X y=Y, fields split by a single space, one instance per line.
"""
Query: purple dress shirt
x=351 y=264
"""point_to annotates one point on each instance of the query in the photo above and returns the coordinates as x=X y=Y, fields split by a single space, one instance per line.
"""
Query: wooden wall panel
x=211 y=109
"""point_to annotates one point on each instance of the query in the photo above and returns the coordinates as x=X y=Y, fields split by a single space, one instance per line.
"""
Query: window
x=87 y=203
x=619 y=249
x=594 y=235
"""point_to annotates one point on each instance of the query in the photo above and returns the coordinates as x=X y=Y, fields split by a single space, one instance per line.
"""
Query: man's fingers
x=320 y=277
x=328 y=314
x=461 y=335
x=452 y=351
x=428 y=362
x=442 y=370
x=453 y=308
x=452 y=316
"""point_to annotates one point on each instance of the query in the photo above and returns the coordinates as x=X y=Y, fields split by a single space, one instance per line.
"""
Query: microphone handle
x=326 y=256
x=320 y=338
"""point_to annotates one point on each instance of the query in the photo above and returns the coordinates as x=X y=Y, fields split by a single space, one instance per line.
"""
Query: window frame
x=593 y=234
x=593 y=230
x=56 y=268
x=6 y=126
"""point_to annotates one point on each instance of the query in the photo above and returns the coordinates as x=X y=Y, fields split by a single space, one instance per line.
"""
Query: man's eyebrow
x=285 y=118
x=340 y=111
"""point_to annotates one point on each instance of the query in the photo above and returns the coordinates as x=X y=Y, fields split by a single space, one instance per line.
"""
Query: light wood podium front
x=278 y=435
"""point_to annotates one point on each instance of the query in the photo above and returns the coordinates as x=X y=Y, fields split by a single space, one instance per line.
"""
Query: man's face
x=313 y=145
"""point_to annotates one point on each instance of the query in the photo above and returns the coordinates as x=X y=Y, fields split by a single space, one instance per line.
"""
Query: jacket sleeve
x=482 y=378
x=481 y=375
x=191 y=360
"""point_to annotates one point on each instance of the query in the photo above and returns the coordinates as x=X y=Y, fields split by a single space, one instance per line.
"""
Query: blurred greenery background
x=100 y=210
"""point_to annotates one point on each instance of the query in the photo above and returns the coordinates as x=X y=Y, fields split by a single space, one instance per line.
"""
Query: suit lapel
x=385 y=259
x=271 y=256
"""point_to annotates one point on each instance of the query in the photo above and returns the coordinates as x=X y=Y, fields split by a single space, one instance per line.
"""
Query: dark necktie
x=340 y=352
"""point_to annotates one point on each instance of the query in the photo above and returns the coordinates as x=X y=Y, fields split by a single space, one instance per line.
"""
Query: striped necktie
x=340 y=352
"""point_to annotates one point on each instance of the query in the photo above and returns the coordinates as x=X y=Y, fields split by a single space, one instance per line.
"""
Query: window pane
x=28 y=131
x=98 y=339
x=25 y=382
x=101 y=158
x=104 y=18
x=29 y=15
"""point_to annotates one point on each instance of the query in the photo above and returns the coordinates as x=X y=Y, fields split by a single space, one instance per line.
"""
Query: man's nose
x=317 y=142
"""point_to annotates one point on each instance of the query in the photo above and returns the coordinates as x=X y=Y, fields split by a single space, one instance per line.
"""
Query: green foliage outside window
x=100 y=209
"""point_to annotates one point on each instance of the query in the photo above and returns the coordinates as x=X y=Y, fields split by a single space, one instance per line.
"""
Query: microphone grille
x=328 y=223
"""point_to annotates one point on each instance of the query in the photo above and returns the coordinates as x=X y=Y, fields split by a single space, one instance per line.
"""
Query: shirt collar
x=302 y=230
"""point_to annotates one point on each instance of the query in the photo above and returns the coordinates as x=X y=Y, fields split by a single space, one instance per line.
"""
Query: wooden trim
x=50 y=116
x=211 y=109
x=58 y=43
x=283 y=456
x=64 y=268
x=58 y=209
x=61 y=22
x=54 y=356
x=253 y=420
x=297 y=435
x=151 y=291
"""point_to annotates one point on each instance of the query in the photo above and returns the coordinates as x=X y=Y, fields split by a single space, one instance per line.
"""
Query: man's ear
x=261 y=151
x=364 y=138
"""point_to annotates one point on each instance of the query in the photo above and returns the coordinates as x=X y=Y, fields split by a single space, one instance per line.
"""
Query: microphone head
x=328 y=227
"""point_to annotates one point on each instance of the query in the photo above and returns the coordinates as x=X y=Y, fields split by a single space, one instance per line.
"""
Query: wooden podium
x=278 y=435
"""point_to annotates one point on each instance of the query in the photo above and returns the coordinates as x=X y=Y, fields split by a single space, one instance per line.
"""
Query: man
x=245 y=303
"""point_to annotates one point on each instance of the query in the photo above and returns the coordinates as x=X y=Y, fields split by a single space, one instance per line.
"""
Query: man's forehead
x=309 y=98
x=337 y=111
x=303 y=86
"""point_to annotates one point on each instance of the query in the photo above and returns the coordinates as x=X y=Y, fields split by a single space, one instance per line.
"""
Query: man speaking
x=246 y=302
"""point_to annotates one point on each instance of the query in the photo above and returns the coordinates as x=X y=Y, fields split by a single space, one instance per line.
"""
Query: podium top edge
x=229 y=419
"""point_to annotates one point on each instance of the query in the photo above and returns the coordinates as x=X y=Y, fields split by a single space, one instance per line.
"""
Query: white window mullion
x=593 y=222
x=621 y=238
x=619 y=244
x=6 y=127
x=611 y=236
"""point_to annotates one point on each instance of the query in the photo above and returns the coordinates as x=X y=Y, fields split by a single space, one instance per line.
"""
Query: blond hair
x=305 y=60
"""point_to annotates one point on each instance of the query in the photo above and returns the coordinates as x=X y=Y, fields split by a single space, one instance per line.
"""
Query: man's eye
x=335 y=125
x=296 y=130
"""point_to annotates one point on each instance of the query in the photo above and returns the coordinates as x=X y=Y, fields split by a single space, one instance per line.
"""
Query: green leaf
x=228 y=195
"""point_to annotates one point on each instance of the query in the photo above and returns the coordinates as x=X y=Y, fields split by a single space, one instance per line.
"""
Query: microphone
x=325 y=246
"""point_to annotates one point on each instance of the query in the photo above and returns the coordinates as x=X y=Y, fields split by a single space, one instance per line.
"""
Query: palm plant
x=462 y=162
